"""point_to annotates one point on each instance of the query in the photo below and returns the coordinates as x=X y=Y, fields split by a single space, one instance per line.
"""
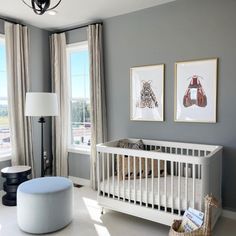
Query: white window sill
x=5 y=157
x=79 y=150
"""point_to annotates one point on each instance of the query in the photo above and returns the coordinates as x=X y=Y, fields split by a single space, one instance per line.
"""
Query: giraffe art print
x=147 y=93
x=147 y=96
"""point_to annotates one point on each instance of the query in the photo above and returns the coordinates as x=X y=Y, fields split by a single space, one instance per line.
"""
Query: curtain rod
x=11 y=21
x=77 y=27
x=59 y=31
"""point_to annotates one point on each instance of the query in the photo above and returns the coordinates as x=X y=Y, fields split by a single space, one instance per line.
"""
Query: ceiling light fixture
x=40 y=6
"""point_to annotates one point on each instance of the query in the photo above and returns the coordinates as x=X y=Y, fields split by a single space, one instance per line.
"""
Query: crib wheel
x=102 y=211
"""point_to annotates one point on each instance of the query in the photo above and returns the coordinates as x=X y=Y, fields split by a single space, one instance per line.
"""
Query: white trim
x=229 y=214
x=6 y=157
x=80 y=181
x=80 y=46
x=2 y=38
x=69 y=93
x=79 y=150
x=74 y=47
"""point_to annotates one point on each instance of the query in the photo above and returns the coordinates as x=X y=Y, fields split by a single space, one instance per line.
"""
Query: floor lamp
x=41 y=105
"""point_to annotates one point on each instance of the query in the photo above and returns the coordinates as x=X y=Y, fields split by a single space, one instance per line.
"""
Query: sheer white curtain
x=97 y=92
x=60 y=87
x=17 y=51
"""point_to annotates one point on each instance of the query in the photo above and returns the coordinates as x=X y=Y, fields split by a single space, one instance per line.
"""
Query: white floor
x=89 y=222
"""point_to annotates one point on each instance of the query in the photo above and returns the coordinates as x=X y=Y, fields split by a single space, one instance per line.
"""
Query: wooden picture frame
x=196 y=91
x=147 y=93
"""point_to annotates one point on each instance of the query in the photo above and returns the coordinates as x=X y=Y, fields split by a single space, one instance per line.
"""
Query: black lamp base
x=42 y=121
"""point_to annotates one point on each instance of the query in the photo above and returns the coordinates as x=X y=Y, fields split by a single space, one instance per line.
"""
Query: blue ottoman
x=44 y=204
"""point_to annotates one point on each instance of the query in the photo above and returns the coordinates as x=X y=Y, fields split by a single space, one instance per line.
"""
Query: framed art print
x=147 y=93
x=196 y=91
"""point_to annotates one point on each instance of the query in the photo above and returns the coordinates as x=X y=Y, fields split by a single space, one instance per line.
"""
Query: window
x=78 y=73
x=5 y=145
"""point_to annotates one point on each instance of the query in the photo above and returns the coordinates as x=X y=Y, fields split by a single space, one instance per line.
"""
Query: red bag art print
x=195 y=94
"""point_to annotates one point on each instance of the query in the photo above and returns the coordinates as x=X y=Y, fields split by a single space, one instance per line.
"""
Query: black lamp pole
x=42 y=121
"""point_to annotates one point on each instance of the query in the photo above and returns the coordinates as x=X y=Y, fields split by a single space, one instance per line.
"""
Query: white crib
x=191 y=171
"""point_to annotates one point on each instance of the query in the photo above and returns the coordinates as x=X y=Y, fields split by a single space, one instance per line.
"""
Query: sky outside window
x=80 y=74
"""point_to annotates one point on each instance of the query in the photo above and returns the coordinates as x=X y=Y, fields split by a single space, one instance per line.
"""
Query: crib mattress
x=143 y=192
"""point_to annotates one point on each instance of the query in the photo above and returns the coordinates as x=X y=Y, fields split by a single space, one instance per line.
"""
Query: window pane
x=80 y=96
x=5 y=146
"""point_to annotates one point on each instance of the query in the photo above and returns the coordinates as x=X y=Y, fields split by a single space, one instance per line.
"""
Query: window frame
x=5 y=156
x=74 y=47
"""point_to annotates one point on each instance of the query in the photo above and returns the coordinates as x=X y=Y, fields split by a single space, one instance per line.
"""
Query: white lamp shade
x=41 y=104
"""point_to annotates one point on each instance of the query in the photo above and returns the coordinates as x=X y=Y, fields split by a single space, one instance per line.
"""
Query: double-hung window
x=5 y=144
x=79 y=95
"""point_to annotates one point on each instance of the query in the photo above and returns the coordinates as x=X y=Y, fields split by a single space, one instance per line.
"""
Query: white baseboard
x=229 y=214
x=80 y=181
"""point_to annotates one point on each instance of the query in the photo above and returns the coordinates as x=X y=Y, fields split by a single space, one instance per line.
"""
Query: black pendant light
x=41 y=6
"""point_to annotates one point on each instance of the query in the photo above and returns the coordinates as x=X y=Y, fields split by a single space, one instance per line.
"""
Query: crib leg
x=102 y=211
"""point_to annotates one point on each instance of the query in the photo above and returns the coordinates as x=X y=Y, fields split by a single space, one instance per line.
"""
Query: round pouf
x=44 y=204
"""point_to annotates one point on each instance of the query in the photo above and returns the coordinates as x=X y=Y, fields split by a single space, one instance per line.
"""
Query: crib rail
x=164 y=145
x=167 y=177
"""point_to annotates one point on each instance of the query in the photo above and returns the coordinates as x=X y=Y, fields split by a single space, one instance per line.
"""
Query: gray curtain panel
x=97 y=93
x=17 y=50
x=60 y=87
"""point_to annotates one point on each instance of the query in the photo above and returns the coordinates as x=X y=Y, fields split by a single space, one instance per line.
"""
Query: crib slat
x=179 y=187
x=108 y=173
x=113 y=175
x=194 y=176
x=201 y=193
x=134 y=180
x=129 y=176
x=181 y=167
x=123 y=165
x=140 y=180
x=200 y=200
x=199 y=166
x=98 y=171
x=165 y=186
x=152 y=184
x=103 y=173
x=146 y=180
x=175 y=164
x=158 y=184
x=118 y=174
x=172 y=187
x=186 y=184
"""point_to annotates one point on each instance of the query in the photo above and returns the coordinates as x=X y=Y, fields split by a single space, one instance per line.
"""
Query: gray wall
x=79 y=164
x=1 y=27
x=75 y=36
x=181 y=30
x=39 y=69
